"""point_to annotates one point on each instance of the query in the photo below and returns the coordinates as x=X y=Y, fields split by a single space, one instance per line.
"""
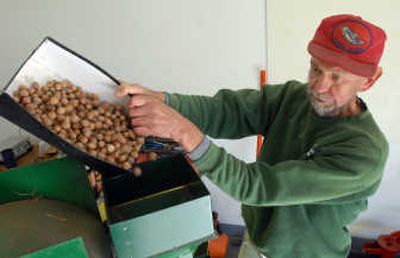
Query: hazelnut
x=69 y=108
x=153 y=155
x=137 y=171
x=83 y=139
x=74 y=118
x=92 y=145
x=24 y=93
x=54 y=100
x=61 y=111
x=110 y=148
x=85 y=123
x=26 y=100
x=126 y=165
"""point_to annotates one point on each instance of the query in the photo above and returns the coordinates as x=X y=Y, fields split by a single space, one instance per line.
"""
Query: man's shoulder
x=291 y=93
x=291 y=84
x=288 y=89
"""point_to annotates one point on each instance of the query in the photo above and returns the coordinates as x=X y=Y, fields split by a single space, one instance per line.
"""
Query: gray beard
x=329 y=110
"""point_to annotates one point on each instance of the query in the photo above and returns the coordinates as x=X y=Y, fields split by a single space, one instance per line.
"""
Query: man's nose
x=323 y=84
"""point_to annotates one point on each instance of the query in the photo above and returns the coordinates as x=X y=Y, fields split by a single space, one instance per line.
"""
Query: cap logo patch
x=352 y=36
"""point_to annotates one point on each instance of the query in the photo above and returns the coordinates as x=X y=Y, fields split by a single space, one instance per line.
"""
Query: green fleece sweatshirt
x=313 y=175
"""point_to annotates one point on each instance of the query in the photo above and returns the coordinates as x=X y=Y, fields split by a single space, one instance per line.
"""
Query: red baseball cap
x=349 y=42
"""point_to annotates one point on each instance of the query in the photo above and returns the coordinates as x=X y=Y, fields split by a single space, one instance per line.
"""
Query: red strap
x=388 y=246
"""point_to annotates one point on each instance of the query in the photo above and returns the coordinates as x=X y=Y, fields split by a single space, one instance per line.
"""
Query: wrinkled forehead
x=325 y=66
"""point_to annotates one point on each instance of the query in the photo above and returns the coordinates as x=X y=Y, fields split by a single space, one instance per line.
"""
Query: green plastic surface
x=62 y=179
x=74 y=248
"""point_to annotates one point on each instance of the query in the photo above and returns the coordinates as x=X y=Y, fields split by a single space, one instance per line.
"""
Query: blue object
x=9 y=159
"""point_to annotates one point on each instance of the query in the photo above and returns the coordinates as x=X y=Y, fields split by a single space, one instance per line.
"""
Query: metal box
x=166 y=212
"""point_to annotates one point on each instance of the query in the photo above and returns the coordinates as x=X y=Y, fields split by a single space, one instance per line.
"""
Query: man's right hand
x=125 y=89
x=150 y=116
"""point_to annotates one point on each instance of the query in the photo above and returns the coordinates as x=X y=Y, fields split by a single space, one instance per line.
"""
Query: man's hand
x=150 y=116
x=131 y=89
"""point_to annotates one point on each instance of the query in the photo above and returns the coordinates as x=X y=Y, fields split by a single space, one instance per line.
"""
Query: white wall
x=186 y=46
x=291 y=24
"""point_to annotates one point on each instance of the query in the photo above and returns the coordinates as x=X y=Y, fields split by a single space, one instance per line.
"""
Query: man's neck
x=353 y=108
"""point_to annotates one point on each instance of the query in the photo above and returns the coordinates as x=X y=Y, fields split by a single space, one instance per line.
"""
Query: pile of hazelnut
x=97 y=127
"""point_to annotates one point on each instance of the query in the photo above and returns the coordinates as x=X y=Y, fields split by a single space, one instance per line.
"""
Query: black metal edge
x=48 y=38
x=15 y=113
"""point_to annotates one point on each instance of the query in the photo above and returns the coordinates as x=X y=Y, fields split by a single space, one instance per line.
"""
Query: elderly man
x=323 y=154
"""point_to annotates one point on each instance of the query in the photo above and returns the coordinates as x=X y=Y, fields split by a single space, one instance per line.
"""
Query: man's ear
x=371 y=80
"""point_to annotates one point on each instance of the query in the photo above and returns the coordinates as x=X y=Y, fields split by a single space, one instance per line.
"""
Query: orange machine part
x=263 y=81
x=218 y=247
